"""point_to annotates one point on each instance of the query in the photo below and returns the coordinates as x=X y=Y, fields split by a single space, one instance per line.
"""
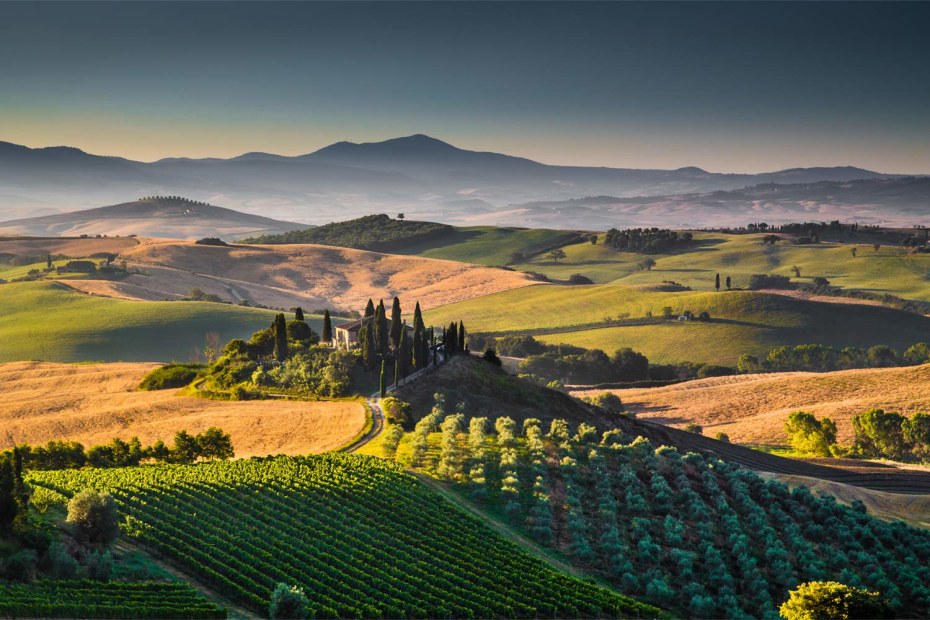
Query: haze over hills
x=416 y=174
x=172 y=217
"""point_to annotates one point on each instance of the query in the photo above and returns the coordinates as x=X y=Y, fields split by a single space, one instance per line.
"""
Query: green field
x=489 y=245
x=50 y=322
x=742 y=322
x=362 y=538
x=889 y=270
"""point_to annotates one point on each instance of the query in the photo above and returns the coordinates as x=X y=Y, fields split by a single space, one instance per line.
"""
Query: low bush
x=172 y=376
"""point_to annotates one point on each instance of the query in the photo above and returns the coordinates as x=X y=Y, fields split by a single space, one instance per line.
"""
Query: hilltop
x=169 y=216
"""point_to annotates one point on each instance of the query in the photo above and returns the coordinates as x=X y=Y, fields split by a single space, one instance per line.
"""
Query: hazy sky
x=725 y=86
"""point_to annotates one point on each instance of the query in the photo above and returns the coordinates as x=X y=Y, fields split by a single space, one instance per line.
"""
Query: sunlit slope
x=490 y=245
x=93 y=403
x=741 y=322
x=49 y=321
x=889 y=270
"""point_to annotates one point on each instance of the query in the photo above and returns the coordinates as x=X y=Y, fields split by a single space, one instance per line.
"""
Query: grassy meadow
x=889 y=270
x=742 y=321
x=51 y=322
x=490 y=245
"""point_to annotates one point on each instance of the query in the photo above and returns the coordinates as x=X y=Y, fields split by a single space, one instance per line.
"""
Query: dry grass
x=93 y=403
x=73 y=247
x=311 y=276
x=752 y=409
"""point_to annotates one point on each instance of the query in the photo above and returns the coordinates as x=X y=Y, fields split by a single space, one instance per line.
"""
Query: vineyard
x=93 y=599
x=696 y=534
x=359 y=536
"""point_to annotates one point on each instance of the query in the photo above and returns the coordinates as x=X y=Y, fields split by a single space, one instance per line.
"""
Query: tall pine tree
x=452 y=339
x=298 y=314
x=280 y=338
x=396 y=324
x=327 y=327
x=370 y=309
x=401 y=358
x=461 y=346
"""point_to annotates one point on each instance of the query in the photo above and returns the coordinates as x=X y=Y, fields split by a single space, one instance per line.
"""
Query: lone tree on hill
x=396 y=324
x=728 y=283
x=717 y=283
x=556 y=255
x=298 y=314
x=327 y=327
x=853 y=250
x=280 y=338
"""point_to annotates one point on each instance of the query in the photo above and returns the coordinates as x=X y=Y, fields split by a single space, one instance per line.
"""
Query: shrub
x=288 y=602
x=693 y=427
x=395 y=410
x=21 y=566
x=761 y=281
x=809 y=435
x=99 y=565
x=491 y=357
x=577 y=278
x=831 y=600
x=92 y=516
x=608 y=401
x=172 y=376
x=61 y=564
x=722 y=437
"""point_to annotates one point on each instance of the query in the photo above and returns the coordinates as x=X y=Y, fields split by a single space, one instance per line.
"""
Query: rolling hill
x=52 y=322
x=416 y=174
x=311 y=276
x=752 y=409
x=741 y=321
x=93 y=403
x=171 y=217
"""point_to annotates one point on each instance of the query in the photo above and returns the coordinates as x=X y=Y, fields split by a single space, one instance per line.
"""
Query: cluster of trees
x=211 y=444
x=390 y=345
x=763 y=281
x=878 y=434
x=28 y=546
x=645 y=240
x=822 y=358
x=379 y=233
x=568 y=364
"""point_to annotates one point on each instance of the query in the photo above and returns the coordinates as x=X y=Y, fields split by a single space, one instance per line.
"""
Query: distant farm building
x=346 y=336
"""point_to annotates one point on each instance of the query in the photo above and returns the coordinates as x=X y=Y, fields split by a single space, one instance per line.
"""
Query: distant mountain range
x=415 y=174
x=172 y=217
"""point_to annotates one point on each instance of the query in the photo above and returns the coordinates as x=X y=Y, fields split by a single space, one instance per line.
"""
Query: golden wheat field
x=752 y=409
x=93 y=403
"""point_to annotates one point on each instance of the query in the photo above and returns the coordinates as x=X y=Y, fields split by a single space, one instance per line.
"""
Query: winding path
x=377 y=423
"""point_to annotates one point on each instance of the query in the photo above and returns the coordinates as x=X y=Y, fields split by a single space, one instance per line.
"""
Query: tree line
x=822 y=358
x=212 y=444
x=646 y=240
x=878 y=434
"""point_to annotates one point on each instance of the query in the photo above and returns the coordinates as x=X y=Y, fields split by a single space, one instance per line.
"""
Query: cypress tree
x=461 y=347
x=369 y=352
x=452 y=338
x=381 y=332
x=383 y=390
x=8 y=504
x=299 y=314
x=400 y=358
x=717 y=282
x=396 y=325
x=327 y=327
x=728 y=283
x=418 y=360
x=19 y=485
x=370 y=309
x=280 y=338
x=48 y=261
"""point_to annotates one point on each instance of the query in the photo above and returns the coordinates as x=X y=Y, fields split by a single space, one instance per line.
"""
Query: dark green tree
x=383 y=387
x=93 y=516
x=48 y=261
x=717 y=282
x=461 y=334
x=299 y=314
x=367 y=342
x=396 y=324
x=9 y=507
x=327 y=328
x=452 y=339
x=370 y=309
x=401 y=357
x=381 y=331
x=20 y=490
x=280 y=338
x=728 y=283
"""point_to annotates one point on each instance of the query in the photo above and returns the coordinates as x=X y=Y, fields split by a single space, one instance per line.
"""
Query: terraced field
x=360 y=536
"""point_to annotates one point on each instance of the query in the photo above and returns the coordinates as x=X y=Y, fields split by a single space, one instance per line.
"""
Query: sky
x=728 y=87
